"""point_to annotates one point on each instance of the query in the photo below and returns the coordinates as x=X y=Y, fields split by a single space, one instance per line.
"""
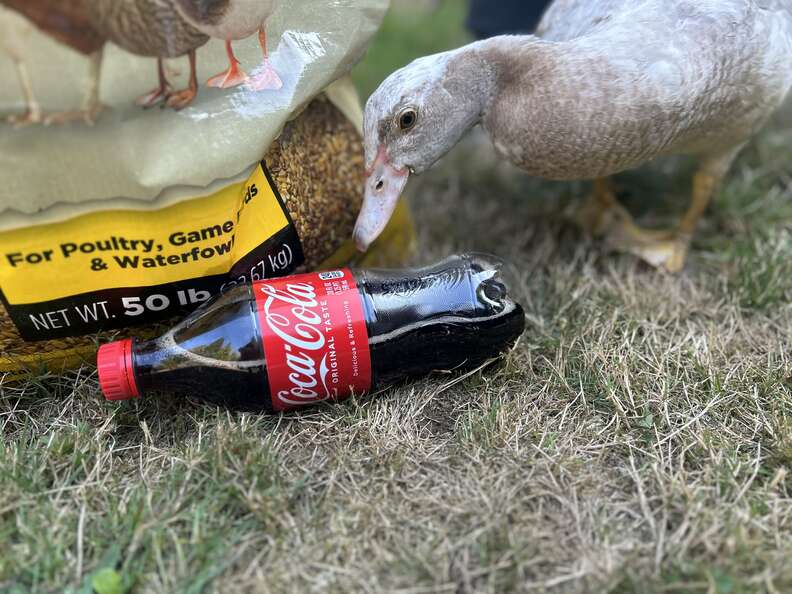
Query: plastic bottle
x=287 y=343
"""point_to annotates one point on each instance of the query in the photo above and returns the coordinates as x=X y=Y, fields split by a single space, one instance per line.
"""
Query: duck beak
x=384 y=184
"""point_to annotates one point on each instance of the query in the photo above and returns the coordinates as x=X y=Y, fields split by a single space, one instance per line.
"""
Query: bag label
x=315 y=339
x=120 y=268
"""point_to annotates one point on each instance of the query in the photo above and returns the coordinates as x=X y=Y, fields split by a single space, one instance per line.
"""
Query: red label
x=315 y=338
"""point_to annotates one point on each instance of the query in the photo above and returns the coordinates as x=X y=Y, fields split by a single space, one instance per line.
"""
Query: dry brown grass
x=639 y=439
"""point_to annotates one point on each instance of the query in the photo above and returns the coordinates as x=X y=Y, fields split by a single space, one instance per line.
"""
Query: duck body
x=232 y=20
x=152 y=28
x=229 y=20
x=69 y=23
x=583 y=103
x=602 y=88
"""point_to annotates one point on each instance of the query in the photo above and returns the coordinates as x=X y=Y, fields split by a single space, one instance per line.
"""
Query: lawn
x=638 y=439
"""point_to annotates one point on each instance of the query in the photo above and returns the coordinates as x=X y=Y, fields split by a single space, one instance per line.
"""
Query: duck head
x=414 y=118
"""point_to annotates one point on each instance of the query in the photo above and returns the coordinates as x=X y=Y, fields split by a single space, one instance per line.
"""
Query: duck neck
x=472 y=79
x=513 y=60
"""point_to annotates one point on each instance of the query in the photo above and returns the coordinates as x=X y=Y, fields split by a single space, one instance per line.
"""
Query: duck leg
x=32 y=113
x=232 y=77
x=669 y=249
x=161 y=93
x=265 y=77
x=601 y=211
x=91 y=105
x=181 y=99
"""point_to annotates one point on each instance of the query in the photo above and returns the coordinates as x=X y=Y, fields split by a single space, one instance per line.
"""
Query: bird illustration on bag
x=160 y=29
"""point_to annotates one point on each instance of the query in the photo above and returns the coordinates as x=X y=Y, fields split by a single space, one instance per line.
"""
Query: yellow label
x=195 y=238
x=393 y=247
x=119 y=268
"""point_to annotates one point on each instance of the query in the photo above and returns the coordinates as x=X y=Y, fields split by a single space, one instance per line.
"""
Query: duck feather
x=619 y=90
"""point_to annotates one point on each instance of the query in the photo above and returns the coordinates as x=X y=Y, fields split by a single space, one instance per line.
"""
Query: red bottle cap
x=116 y=374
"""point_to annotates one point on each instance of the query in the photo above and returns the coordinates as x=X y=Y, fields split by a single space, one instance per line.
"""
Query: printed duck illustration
x=156 y=29
x=606 y=86
x=232 y=20
x=66 y=21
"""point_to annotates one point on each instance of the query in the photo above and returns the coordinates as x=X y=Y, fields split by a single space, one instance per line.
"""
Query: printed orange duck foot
x=32 y=115
x=233 y=76
x=155 y=96
x=266 y=79
x=164 y=93
x=159 y=95
x=181 y=99
x=88 y=115
x=234 y=20
x=58 y=118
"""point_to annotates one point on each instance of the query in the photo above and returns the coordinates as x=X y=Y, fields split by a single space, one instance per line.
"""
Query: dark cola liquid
x=452 y=315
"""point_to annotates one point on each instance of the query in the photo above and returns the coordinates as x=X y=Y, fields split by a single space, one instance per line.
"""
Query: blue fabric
x=499 y=17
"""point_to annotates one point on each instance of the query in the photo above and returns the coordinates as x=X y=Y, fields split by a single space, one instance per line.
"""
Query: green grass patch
x=409 y=32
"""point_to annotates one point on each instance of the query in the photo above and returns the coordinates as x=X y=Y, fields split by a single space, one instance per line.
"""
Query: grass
x=413 y=30
x=639 y=439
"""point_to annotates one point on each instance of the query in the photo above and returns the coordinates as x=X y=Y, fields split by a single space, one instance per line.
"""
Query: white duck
x=605 y=86
x=232 y=20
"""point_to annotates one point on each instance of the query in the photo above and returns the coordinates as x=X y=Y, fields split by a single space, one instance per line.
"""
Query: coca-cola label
x=315 y=339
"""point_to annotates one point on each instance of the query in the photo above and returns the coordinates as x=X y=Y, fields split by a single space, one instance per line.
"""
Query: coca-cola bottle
x=282 y=344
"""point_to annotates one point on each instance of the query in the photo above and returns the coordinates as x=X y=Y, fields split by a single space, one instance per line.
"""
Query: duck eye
x=407 y=119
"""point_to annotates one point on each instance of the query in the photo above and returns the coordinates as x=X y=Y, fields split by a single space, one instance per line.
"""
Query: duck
x=601 y=88
x=66 y=21
x=232 y=20
x=152 y=28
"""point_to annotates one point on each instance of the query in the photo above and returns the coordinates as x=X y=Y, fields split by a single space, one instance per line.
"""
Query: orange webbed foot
x=154 y=97
x=265 y=79
x=30 y=117
x=233 y=77
x=181 y=99
x=87 y=115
